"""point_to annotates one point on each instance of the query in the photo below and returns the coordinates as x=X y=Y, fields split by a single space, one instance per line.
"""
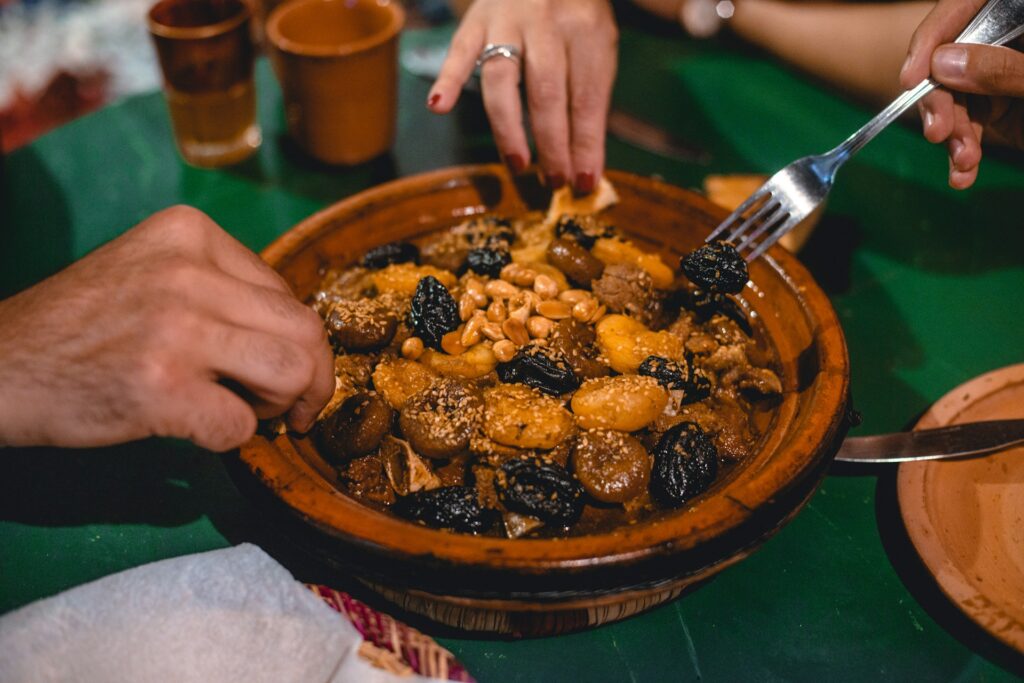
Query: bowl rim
x=395 y=23
x=295 y=481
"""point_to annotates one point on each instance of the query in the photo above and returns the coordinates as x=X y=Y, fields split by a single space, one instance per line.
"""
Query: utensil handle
x=997 y=23
x=869 y=130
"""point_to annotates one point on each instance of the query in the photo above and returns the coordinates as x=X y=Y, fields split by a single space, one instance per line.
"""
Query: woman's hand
x=569 y=59
x=988 y=82
x=172 y=329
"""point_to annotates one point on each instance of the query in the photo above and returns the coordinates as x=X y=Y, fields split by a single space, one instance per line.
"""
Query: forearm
x=857 y=47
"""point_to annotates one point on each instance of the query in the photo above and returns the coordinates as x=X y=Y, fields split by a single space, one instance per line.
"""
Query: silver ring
x=498 y=50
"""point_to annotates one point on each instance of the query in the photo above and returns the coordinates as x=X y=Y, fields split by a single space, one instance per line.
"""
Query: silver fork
x=790 y=195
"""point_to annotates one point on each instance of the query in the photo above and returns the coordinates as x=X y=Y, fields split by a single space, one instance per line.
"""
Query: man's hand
x=173 y=329
x=988 y=83
x=569 y=59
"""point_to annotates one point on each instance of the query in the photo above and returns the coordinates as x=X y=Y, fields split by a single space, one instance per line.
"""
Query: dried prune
x=540 y=367
x=392 y=252
x=487 y=261
x=355 y=428
x=540 y=489
x=669 y=373
x=716 y=267
x=448 y=507
x=685 y=464
x=433 y=312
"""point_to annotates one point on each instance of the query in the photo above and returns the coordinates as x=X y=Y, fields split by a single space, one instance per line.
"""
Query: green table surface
x=927 y=282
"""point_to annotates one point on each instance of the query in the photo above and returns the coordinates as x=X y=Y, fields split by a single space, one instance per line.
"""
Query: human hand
x=569 y=50
x=988 y=82
x=173 y=329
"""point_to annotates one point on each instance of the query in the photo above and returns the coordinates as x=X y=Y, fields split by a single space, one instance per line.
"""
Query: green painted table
x=927 y=283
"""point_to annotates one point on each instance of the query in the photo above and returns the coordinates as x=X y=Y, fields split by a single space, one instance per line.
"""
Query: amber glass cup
x=206 y=56
x=337 y=61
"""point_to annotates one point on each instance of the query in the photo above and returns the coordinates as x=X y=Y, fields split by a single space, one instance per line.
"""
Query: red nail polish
x=584 y=183
x=515 y=162
x=434 y=99
x=556 y=180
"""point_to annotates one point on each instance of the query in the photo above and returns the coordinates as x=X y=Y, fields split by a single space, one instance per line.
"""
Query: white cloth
x=225 y=615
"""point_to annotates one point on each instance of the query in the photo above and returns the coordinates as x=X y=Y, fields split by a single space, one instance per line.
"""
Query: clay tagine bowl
x=529 y=587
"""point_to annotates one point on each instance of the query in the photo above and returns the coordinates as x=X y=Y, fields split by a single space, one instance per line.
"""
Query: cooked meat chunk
x=629 y=290
x=367 y=480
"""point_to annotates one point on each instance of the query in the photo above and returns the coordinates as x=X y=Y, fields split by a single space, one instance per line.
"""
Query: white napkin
x=225 y=615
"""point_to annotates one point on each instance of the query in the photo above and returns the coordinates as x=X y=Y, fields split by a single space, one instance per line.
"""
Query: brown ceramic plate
x=477 y=582
x=966 y=518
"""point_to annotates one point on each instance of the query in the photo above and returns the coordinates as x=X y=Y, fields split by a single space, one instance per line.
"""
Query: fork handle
x=997 y=23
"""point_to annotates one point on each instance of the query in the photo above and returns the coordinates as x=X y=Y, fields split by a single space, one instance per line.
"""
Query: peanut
x=497 y=312
x=539 y=327
x=492 y=331
x=515 y=330
x=466 y=306
x=584 y=309
x=471 y=331
x=504 y=350
x=499 y=289
x=574 y=296
x=451 y=343
x=555 y=310
x=545 y=286
x=412 y=348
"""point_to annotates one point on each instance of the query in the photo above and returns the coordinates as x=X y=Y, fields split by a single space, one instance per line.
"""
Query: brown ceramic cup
x=337 y=62
x=206 y=56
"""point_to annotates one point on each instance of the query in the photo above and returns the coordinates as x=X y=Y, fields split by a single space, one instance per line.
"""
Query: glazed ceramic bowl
x=542 y=586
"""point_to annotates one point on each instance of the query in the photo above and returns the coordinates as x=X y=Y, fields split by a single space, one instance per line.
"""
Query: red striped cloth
x=390 y=644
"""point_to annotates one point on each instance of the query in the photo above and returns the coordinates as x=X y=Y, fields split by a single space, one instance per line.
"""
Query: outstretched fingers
x=458 y=65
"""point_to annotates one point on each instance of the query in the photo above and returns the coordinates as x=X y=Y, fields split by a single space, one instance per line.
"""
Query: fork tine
x=771 y=239
x=750 y=202
x=766 y=223
x=768 y=209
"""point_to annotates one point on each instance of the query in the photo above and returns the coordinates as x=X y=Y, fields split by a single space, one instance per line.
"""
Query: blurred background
x=60 y=59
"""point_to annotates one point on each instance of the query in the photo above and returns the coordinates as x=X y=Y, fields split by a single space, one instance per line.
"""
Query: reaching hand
x=569 y=58
x=987 y=81
x=173 y=329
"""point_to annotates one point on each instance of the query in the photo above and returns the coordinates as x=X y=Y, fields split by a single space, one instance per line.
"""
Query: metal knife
x=650 y=137
x=955 y=441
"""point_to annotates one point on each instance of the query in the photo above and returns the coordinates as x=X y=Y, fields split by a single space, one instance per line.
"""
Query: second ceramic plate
x=966 y=518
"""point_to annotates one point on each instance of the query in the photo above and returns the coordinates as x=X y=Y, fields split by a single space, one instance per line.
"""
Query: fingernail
x=515 y=163
x=950 y=62
x=584 y=183
x=556 y=181
x=906 y=64
x=929 y=119
x=434 y=99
